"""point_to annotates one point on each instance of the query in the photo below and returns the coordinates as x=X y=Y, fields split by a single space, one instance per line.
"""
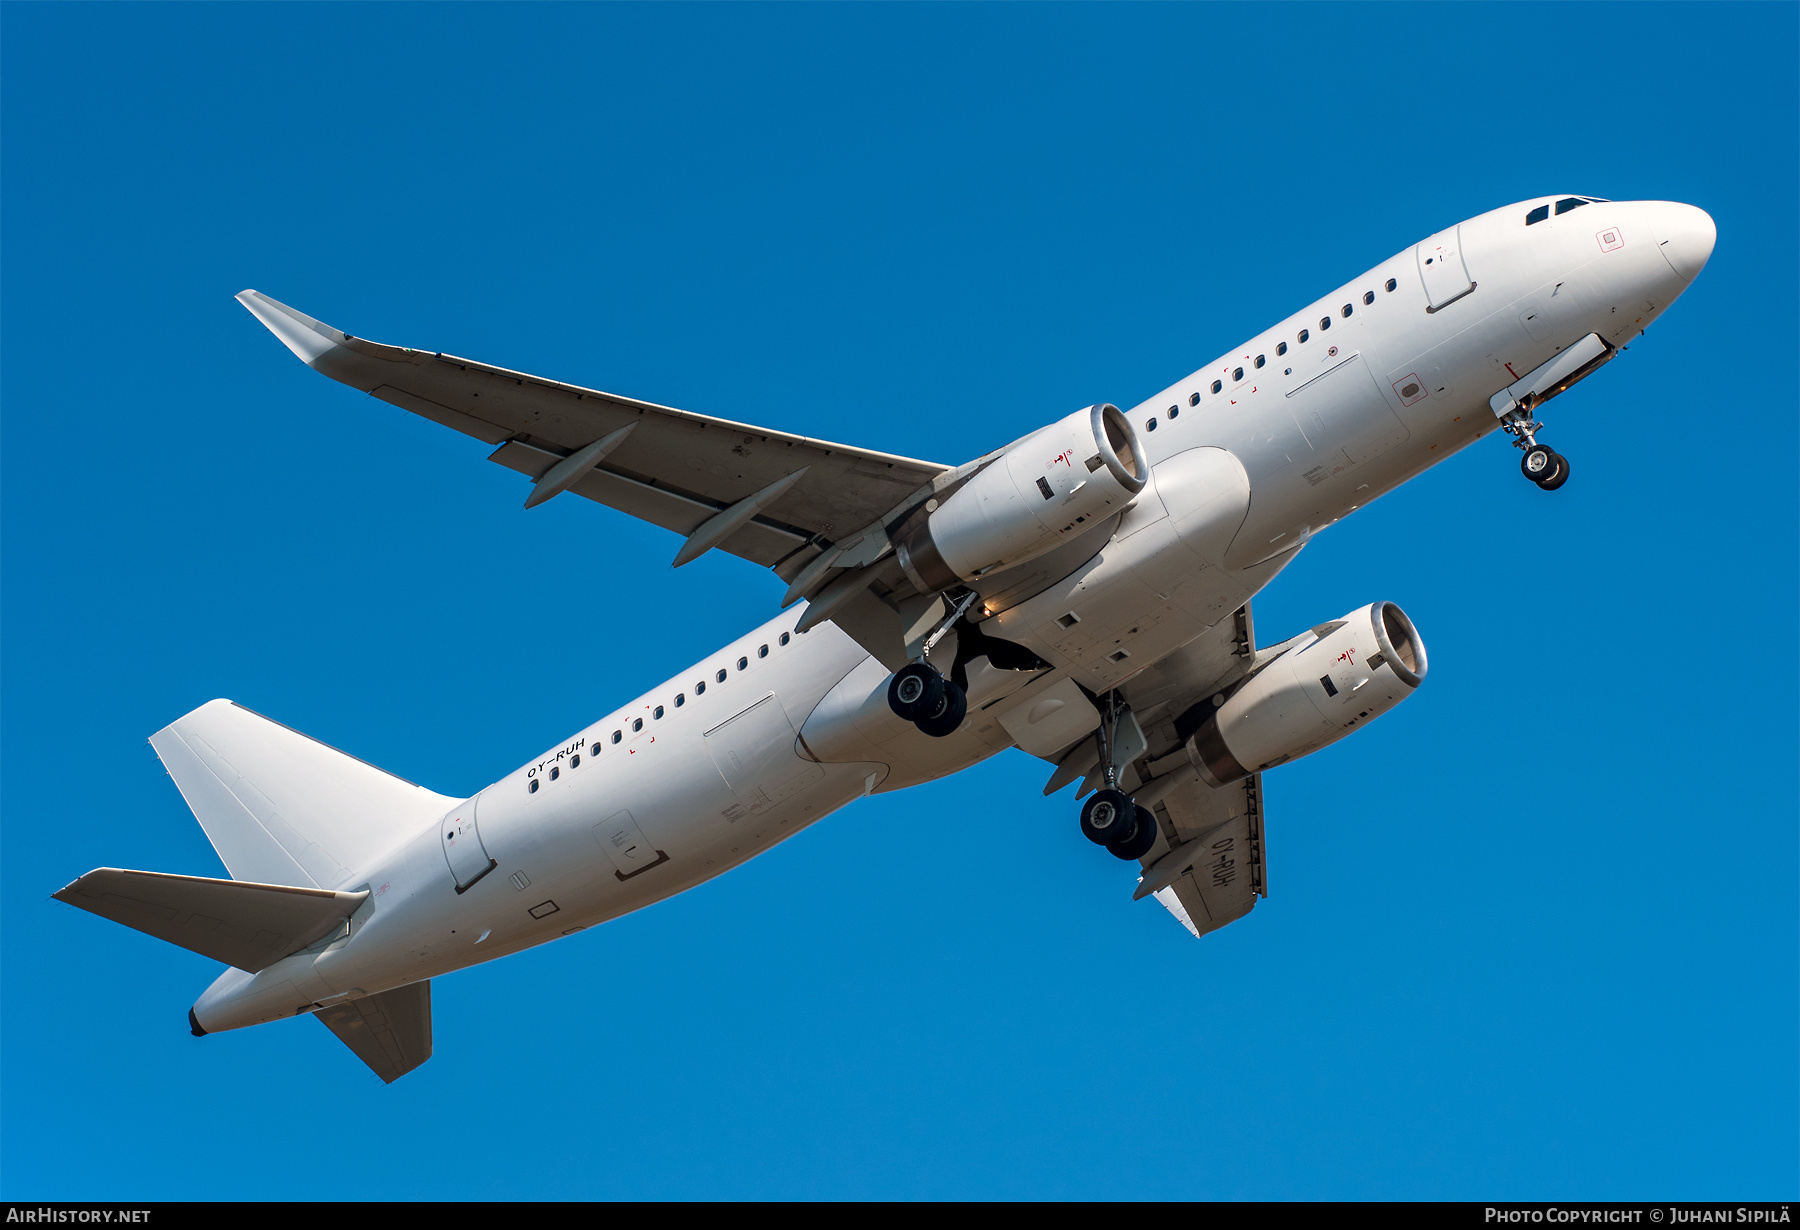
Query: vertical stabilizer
x=282 y=808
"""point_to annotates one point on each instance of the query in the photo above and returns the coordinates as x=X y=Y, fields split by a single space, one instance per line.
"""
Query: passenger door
x=463 y=850
x=1442 y=269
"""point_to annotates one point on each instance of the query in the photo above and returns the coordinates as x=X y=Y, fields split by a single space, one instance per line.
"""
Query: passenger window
x=1281 y=349
x=784 y=638
x=1324 y=323
x=680 y=700
x=1237 y=373
x=532 y=787
x=1368 y=297
x=720 y=677
x=1303 y=336
x=555 y=773
x=617 y=735
x=762 y=651
x=1537 y=215
x=637 y=724
x=1391 y=284
x=1259 y=360
x=1150 y=426
x=1217 y=385
x=700 y=687
x=575 y=761
x=1569 y=202
x=743 y=664
x=1193 y=399
x=1348 y=308
x=657 y=713
x=1174 y=412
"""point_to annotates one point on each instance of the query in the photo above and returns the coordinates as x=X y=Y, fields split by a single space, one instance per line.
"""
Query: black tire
x=1142 y=838
x=1107 y=817
x=914 y=691
x=1537 y=462
x=1558 y=476
x=949 y=713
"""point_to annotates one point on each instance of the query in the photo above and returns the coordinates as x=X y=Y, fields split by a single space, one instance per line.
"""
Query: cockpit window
x=1567 y=203
x=1537 y=215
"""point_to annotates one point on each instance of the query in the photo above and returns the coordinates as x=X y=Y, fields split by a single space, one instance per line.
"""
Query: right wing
x=685 y=472
x=1216 y=870
x=1208 y=865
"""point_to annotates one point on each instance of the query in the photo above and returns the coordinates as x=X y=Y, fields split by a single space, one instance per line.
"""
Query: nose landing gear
x=1542 y=465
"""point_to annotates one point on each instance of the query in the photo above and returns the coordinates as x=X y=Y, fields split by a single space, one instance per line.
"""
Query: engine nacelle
x=1043 y=490
x=1353 y=670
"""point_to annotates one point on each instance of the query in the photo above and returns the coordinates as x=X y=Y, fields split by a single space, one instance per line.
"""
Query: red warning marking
x=1510 y=372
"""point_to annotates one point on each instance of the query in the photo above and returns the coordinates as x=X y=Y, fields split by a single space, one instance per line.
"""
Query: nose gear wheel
x=1541 y=464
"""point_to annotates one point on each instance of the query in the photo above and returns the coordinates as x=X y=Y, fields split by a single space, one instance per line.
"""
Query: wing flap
x=757 y=540
x=428 y=409
x=251 y=926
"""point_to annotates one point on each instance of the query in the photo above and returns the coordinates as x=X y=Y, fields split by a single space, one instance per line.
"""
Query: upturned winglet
x=299 y=332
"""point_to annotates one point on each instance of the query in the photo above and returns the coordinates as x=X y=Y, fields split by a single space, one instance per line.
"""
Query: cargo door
x=754 y=753
x=1442 y=270
x=463 y=850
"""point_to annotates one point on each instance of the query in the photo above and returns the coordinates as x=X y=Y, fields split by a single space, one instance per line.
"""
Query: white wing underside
x=675 y=468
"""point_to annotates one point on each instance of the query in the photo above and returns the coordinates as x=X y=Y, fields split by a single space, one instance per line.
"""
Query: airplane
x=1083 y=594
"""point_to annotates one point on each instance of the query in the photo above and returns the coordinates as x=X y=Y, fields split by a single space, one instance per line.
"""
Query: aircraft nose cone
x=1687 y=236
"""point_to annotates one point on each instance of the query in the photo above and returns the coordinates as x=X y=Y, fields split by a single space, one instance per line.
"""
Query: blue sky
x=1530 y=936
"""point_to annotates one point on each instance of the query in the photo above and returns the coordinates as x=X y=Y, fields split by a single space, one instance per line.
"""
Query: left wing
x=773 y=498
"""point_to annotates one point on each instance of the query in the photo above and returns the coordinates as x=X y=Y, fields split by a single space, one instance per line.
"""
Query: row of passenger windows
x=1281 y=348
x=656 y=714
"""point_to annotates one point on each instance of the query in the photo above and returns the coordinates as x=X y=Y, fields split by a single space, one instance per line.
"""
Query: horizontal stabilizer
x=391 y=1032
x=251 y=926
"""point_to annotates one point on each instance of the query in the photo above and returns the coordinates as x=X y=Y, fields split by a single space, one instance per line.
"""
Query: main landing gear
x=1543 y=466
x=920 y=695
x=929 y=701
x=1111 y=818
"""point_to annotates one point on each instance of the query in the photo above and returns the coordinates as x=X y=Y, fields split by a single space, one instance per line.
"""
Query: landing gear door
x=1442 y=270
x=463 y=850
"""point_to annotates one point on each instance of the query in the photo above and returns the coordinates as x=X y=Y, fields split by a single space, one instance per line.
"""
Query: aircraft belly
x=1147 y=593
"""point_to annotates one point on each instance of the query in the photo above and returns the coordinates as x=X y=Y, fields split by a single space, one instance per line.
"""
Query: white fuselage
x=720 y=763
